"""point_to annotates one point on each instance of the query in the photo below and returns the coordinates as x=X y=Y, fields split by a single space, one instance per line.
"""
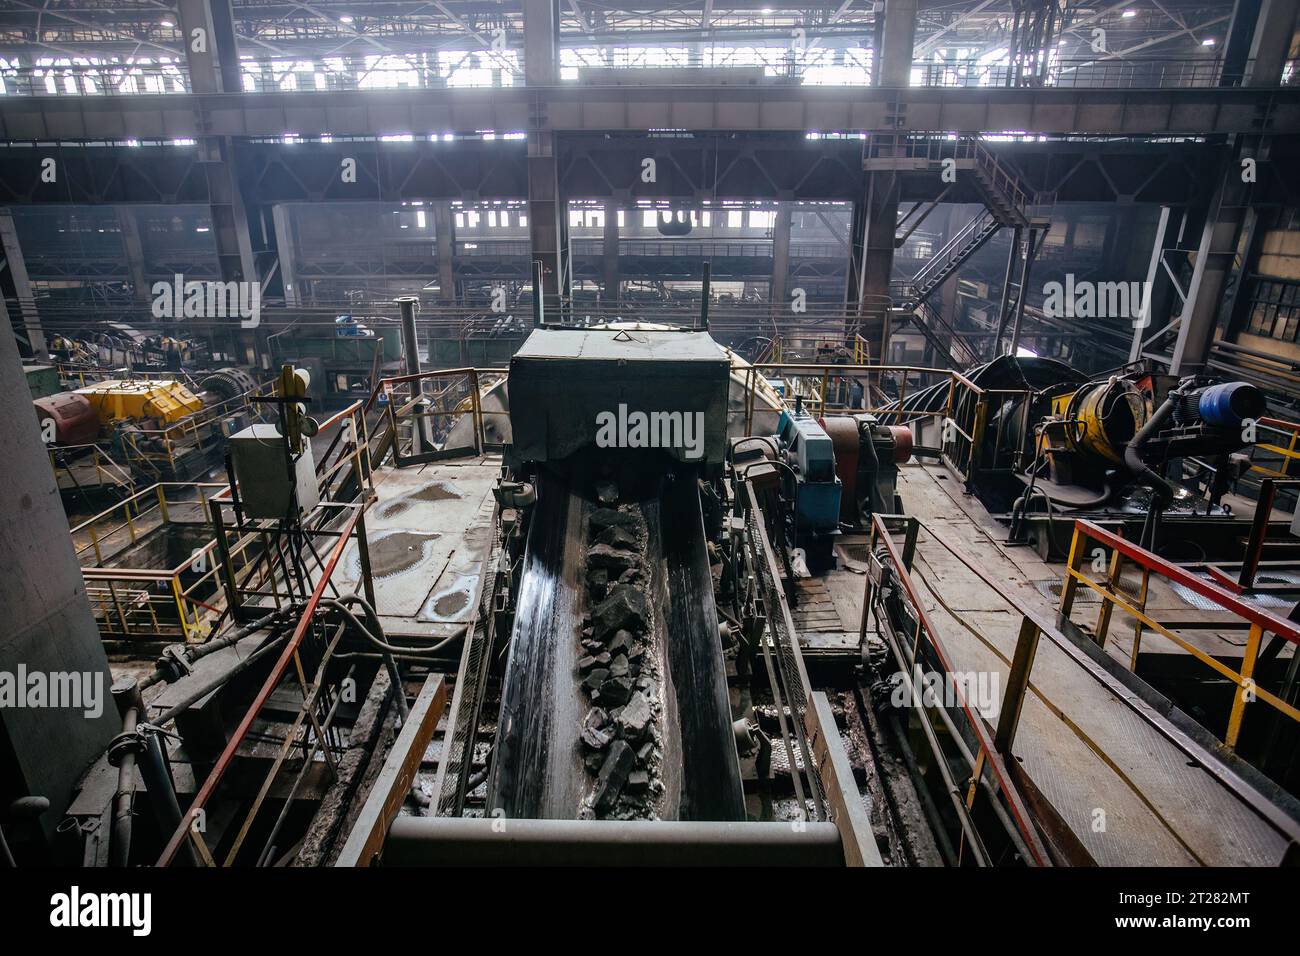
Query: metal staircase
x=963 y=244
x=1007 y=203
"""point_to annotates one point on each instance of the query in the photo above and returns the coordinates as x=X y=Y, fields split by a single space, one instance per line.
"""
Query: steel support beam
x=881 y=222
x=1274 y=29
x=210 y=46
x=609 y=256
x=780 y=288
x=286 y=249
x=212 y=60
x=1215 y=252
x=1202 y=111
x=229 y=217
x=880 y=226
x=1154 y=267
x=895 y=70
x=1031 y=250
x=548 y=224
x=1008 y=280
x=541 y=43
x=128 y=224
x=17 y=267
x=947 y=292
x=548 y=230
x=444 y=237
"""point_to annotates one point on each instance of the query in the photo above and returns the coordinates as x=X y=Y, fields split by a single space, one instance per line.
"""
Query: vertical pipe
x=539 y=311
x=406 y=304
x=162 y=793
x=1006 y=291
x=704 y=296
x=1014 y=344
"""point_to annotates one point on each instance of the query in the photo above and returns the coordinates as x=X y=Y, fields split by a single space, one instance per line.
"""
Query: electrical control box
x=266 y=490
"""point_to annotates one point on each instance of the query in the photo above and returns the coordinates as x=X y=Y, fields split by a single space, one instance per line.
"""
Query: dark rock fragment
x=617 y=536
x=624 y=609
x=612 y=560
x=615 y=691
x=634 y=720
x=597 y=731
x=602 y=518
x=618 y=666
x=613 y=775
x=638 y=782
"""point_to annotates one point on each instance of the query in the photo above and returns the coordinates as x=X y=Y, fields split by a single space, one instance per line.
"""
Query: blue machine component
x=808 y=450
x=347 y=327
x=1228 y=404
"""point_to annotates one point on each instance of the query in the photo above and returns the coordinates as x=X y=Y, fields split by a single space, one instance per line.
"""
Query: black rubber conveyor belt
x=537 y=768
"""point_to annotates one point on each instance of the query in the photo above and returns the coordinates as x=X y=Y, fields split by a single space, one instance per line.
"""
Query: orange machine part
x=843 y=433
x=902 y=443
x=75 y=420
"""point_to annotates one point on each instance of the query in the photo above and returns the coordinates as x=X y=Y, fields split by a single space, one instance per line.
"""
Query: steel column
x=1274 y=29
x=444 y=237
x=609 y=251
x=129 y=223
x=1145 y=319
x=211 y=54
x=13 y=254
x=781 y=256
x=286 y=249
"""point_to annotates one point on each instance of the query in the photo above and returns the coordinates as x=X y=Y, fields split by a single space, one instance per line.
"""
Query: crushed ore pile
x=622 y=730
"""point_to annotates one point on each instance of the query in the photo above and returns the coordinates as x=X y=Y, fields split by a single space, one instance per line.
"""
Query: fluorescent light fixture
x=166 y=23
x=1208 y=41
x=345 y=19
x=1129 y=14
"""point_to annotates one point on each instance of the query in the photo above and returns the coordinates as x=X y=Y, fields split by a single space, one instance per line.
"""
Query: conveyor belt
x=537 y=765
x=711 y=788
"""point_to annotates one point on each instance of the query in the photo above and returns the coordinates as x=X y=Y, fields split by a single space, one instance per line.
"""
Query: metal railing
x=133 y=602
x=67 y=460
x=1084 y=73
x=494 y=69
x=420 y=416
x=962 y=420
x=826 y=387
x=302 y=665
x=764 y=64
x=1081 y=657
x=1278 y=453
x=936 y=148
x=1256 y=621
x=960 y=736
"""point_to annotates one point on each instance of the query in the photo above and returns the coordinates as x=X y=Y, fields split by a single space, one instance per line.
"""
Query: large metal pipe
x=406 y=305
x=437 y=841
x=140 y=744
x=126 y=695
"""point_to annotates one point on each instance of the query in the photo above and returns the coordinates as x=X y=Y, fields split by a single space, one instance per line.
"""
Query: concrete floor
x=429 y=531
x=1127 y=793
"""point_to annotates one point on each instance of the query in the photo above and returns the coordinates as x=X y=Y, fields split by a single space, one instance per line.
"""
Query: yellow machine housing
x=1097 y=420
x=164 y=400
